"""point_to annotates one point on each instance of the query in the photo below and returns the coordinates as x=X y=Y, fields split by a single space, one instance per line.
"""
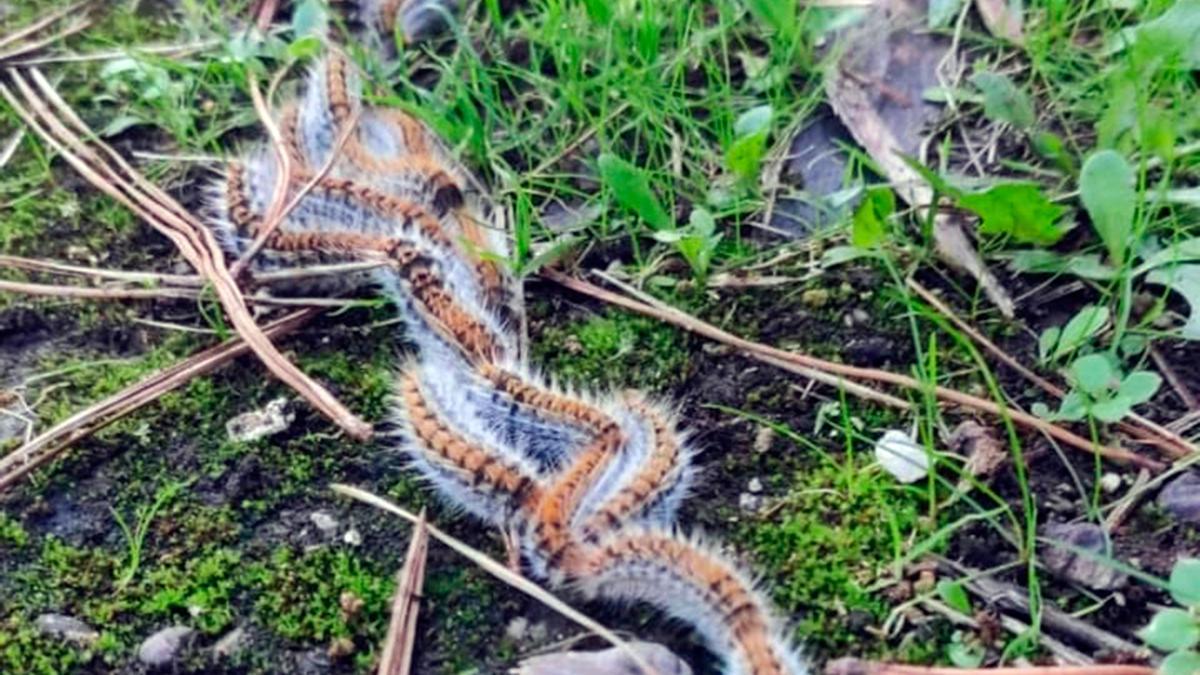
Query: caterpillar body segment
x=589 y=483
x=695 y=584
x=481 y=478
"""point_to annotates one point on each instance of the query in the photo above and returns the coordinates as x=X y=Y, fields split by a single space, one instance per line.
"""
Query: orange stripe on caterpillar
x=558 y=405
x=483 y=466
x=650 y=482
x=664 y=569
x=553 y=514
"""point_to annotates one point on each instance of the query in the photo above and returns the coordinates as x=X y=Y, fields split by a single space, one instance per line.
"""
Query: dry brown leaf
x=1004 y=19
x=876 y=89
x=984 y=452
x=610 y=661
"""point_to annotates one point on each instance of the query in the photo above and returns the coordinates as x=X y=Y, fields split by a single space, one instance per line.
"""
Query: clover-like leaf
x=1111 y=409
x=1093 y=373
x=1072 y=409
x=1185 y=582
x=1140 y=386
x=1171 y=629
x=1086 y=323
x=1184 y=662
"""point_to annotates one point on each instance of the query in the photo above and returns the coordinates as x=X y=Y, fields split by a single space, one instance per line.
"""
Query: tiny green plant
x=1100 y=392
x=1176 y=630
x=631 y=189
x=135 y=537
x=697 y=242
x=1058 y=342
x=745 y=153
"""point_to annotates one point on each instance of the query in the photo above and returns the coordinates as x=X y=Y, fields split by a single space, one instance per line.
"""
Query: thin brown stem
x=197 y=243
x=674 y=316
x=1147 y=431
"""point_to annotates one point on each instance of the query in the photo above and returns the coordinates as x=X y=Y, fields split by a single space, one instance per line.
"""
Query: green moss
x=462 y=604
x=24 y=650
x=12 y=533
x=300 y=596
x=835 y=533
x=614 y=350
x=202 y=587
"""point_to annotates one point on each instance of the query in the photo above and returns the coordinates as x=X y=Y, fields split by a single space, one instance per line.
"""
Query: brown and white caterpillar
x=590 y=483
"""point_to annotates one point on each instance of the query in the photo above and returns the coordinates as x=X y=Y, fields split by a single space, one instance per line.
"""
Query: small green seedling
x=1176 y=630
x=745 y=153
x=1099 y=391
x=1056 y=343
x=630 y=186
x=868 y=229
x=697 y=242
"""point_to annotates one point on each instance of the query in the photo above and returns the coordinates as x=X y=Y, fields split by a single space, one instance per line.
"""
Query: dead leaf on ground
x=876 y=89
x=1003 y=18
x=610 y=661
x=984 y=452
x=1089 y=569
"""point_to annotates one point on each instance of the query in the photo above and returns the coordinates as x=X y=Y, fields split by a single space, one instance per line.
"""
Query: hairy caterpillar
x=590 y=483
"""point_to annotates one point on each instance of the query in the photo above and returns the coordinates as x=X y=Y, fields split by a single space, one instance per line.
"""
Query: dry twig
x=401 y=637
x=664 y=312
x=52 y=119
x=501 y=572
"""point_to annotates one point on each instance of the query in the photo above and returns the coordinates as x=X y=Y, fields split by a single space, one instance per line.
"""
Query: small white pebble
x=902 y=457
x=755 y=486
x=324 y=522
x=517 y=629
x=1110 y=482
x=352 y=537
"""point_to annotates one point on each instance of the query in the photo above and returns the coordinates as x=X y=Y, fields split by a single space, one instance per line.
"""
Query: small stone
x=538 y=632
x=1086 y=570
x=860 y=316
x=257 y=424
x=926 y=581
x=815 y=298
x=352 y=537
x=326 y=523
x=66 y=628
x=764 y=439
x=1110 y=482
x=1181 y=498
x=231 y=643
x=312 y=662
x=749 y=503
x=755 y=486
x=163 y=647
x=517 y=629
